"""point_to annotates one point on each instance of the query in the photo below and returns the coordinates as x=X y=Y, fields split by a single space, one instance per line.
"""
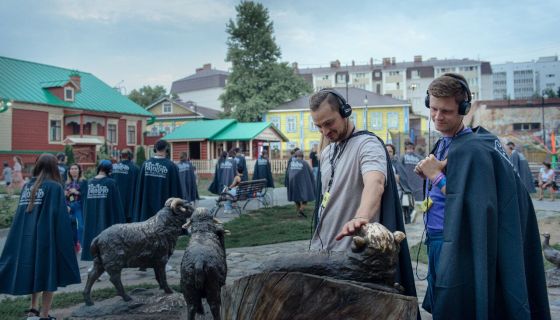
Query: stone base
x=145 y=304
x=553 y=277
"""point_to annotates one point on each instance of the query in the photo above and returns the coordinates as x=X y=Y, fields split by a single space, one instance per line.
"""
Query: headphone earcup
x=345 y=110
x=464 y=108
x=427 y=100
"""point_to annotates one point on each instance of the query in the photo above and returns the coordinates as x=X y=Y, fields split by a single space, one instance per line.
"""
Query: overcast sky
x=149 y=42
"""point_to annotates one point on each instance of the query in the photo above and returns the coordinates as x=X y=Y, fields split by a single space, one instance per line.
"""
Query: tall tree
x=258 y=81
x=147 y=95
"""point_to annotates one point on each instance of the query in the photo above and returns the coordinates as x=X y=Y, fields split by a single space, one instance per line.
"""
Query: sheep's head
x=202 y=220
x=180 y=207
x=374 y=236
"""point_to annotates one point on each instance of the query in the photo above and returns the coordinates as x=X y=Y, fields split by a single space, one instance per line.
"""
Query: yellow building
x=381 y=115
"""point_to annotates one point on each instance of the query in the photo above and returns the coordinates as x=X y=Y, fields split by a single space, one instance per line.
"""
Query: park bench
x=247 y=191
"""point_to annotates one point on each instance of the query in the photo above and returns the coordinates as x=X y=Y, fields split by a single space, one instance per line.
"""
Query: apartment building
x=522 y=80
x=406 y=80
x=204 y=87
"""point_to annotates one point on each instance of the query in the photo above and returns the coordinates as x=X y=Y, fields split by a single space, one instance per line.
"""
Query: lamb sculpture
x=203 y=268
x=147 y=244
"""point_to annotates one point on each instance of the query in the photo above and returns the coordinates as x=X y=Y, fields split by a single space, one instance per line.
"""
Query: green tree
x=69 y=152
x=147 y=95
x=550 y=93
x=258 y=81
x=140 y=156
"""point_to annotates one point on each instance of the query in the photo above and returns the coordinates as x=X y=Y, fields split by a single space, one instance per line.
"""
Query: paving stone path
x=246 y=261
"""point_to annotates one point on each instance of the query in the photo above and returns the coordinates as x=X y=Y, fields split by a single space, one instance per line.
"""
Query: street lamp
x=544 y=96
x=365 y=103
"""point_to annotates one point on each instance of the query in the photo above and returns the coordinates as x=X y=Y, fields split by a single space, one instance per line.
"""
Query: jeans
x=227 y=204
x=434 y=242
x=76 y=213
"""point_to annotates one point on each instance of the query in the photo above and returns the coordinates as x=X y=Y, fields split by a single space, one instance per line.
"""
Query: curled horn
x=217 y=221
x=359 y=241
x=187 y=225
x=399 y=236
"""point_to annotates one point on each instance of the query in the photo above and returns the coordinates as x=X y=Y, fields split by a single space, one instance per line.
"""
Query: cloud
x=169 y=11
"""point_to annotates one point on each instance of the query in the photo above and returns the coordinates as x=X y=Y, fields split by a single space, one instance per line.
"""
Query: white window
x=414 y=74
x=312 y=126
x=291 y=124
x=276 y=122
x=360 y=75
x=112 y=133
x=68 y=94
x=376 y=120
x=377 y=74
x=341 y=78
x=325 y=77
x=167 y=129
x=167 y=107
x=131 y=135
x=392 y=120
x=55 y=129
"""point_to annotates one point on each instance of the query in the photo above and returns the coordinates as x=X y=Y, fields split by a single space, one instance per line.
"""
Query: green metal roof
x=221 y=130
x=202 y=130
x=245 y=131
x=27 y=82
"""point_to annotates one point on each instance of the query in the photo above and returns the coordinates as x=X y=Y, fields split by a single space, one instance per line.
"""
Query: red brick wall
x=122 y=134
x=204 y=150
x=179 y=147
x=139 y=132
x=31 y=131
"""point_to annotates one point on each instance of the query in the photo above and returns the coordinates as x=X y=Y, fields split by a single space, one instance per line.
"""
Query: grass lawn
x=265 y=226
x=12 y=309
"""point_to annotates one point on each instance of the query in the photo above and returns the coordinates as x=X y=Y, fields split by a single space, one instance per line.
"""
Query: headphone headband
x=465 y=105
x=344 y=108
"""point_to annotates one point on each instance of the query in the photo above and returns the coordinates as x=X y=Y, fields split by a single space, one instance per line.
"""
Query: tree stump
x=295 y=295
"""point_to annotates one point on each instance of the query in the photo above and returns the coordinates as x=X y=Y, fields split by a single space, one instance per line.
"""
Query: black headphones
x=465 y=105
x=344 y=108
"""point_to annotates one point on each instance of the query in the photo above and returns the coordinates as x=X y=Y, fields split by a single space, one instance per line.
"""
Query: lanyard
x=335 y=157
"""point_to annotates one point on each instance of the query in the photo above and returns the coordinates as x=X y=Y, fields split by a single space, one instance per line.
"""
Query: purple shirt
x=436 y=213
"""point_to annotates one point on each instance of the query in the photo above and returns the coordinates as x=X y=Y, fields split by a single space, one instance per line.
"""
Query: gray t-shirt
x=362 y=154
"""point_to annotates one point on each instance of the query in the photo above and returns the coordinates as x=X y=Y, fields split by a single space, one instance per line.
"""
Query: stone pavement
x=246 y=261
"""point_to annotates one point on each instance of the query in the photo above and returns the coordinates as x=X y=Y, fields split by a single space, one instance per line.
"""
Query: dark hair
x=6 y=164
x=80 y=177
x=161 y=145
x=448 y=85
x=236 y=150
x=60 y=156
x=239 y=169
x=546 y=164
x=46 y=168
x=126 y=154
x=392 y=147
x=510 y=144
x=223 y=157
x=319 y=97
x=105 y=166
x=184 y=156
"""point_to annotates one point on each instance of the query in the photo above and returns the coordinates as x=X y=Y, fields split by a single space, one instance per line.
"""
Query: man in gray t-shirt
x=352 y=193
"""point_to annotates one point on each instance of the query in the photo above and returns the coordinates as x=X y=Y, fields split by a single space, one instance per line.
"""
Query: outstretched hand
x=351 y=227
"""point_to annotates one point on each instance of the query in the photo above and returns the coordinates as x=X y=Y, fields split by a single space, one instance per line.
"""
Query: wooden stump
x=294 y=295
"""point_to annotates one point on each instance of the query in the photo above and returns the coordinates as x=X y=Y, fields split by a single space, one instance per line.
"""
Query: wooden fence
x=208 y=166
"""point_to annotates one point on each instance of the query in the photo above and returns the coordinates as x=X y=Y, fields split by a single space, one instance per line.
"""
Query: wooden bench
x=246 y=191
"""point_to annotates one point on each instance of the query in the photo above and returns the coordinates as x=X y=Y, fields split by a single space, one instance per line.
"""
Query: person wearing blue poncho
x=223 y=174
x=157 y=182
x=125 y=174
x=102 y=206
x=187 y=177
x=263 y=171
x=240 y=162
x=38 y=255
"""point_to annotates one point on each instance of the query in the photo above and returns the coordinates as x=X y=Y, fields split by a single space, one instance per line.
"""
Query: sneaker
x=302 y=214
